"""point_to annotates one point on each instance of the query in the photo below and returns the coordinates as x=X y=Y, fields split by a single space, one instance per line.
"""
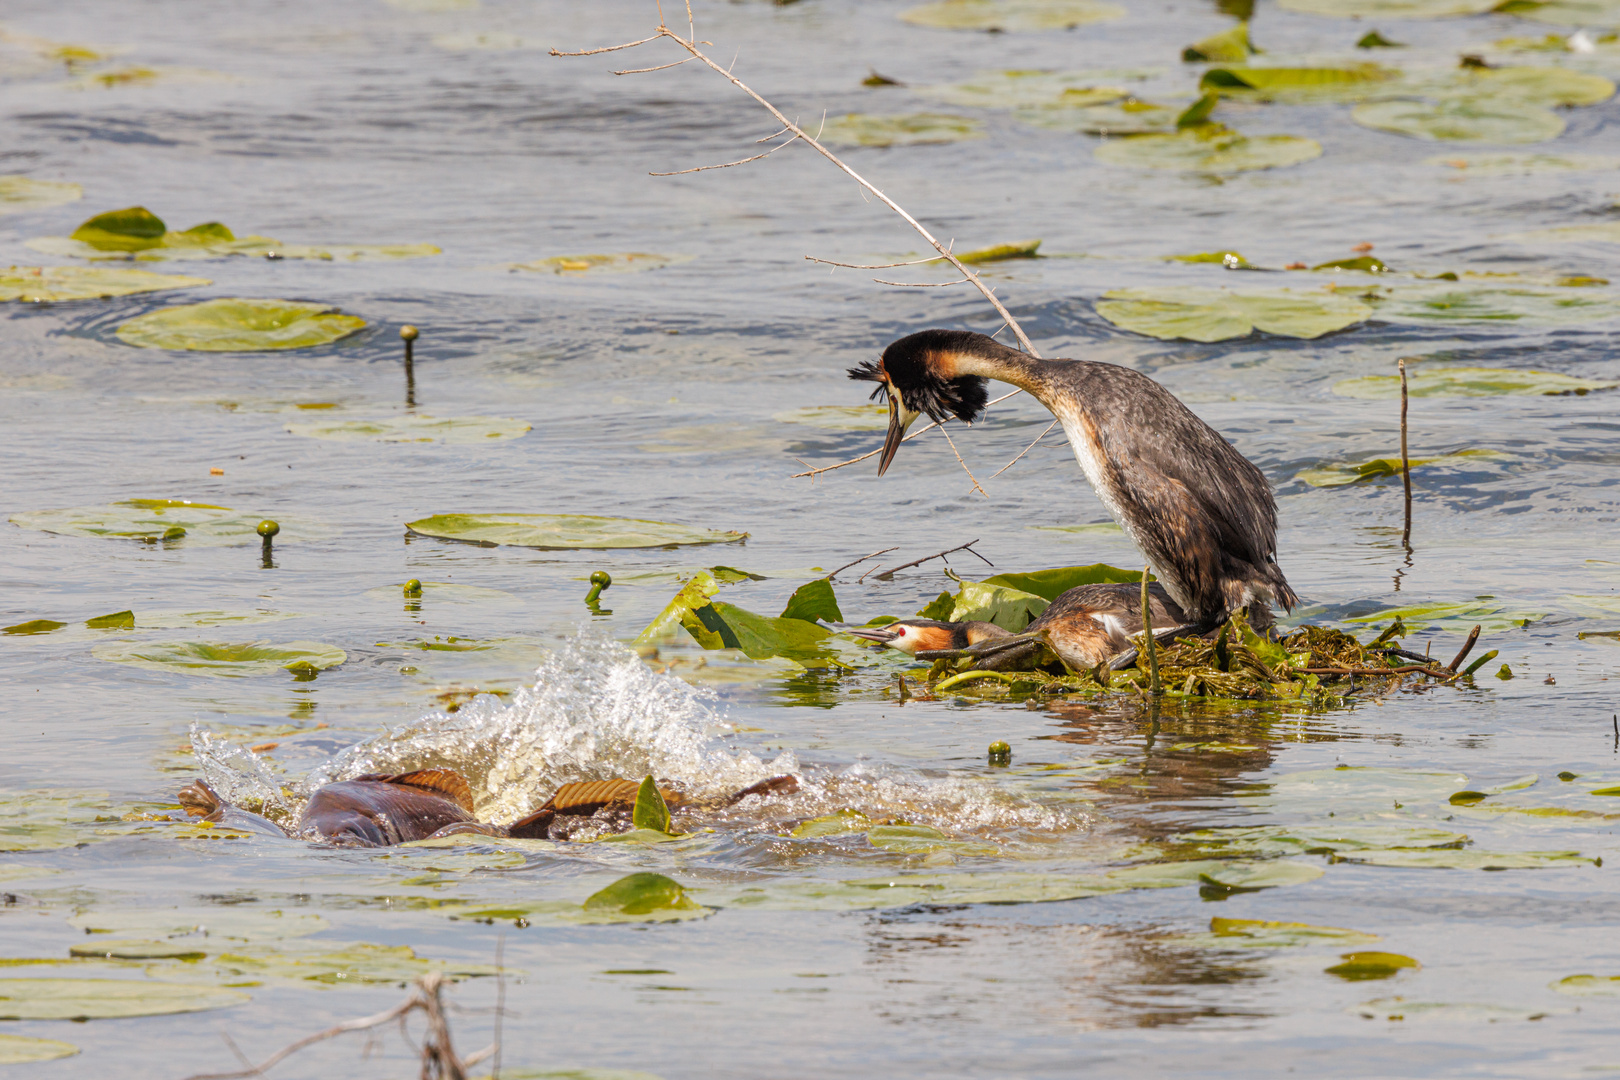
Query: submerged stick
x=1406 y=464
x=1147 y=633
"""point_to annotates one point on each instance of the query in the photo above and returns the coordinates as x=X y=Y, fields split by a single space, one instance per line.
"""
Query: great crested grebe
x=1200 y=511
x=1084 y=627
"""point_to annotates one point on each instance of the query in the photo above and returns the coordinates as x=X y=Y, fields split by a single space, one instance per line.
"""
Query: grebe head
x=918 y=373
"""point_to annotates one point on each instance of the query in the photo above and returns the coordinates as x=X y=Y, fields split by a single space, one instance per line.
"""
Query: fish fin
x=589 y=796
x=776 y=785
x=537 y=826
x=451 y=785
x=199 y=800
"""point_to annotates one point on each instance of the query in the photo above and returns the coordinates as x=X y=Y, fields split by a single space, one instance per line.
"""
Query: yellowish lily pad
x=223 y=658
x=1200 y=314
x=41 y=284
x=1126 y=117
x=1428 y=381
x=1377 y=468
x=624 y=262
x=1296 y=84
x=240 y=325
x=910 y=129
x=1210 y=148
x=163 y=521
x=1486 y=119
x=418 y=428
x=838 y=417
x=102 y=999
x=45 y=820
x=1268 y=933
x=1010 y=15
x=561 y=531
x=1574 y=300
x=1582 y=13
x=1525 y=164
x=19 y=193
x=1388 y=9
x=21 y=1050
x=1589 y=985
x=1023 y=89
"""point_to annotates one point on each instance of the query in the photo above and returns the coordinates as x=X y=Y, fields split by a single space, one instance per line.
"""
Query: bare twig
x=876 y=266
x=1433 y=673
x=1468 y=647
x=921 y=284
x=1026 y=450
x=727 y=165
x=660 y=67
x=862 y=559
x=1151 y=646
x=607 y=48
x=888 y=575
x=962 y=463
x=1406 y=465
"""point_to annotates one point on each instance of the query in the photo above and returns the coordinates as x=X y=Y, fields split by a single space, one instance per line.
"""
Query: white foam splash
x=238 y=775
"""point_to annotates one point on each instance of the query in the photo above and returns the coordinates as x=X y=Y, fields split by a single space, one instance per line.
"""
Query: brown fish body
x=379 y=811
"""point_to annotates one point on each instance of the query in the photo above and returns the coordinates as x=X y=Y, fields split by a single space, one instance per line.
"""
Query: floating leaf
x=409 y=428
x=239 y=325
x=836 y=824
x=911 y=129
x=555 y=532
x=1454 y=615
x=1317 y=839
x=693 y=595
x=1128 y=117
x=1581 y=13
x=1246 y=877
x=1229 y=259
x=41 y=284
x=1428 y=381
x=130 y=229
x=1378 y=468
x=1024 y=249
x=233 y=659
x=1010 y=15
x=118 y=620
x=100 y=999
x=641 y=894
x=838 y=417
x=1399 y=1008
x=1222 y=314
x=1447 y=859
x=359 y=964
x=1265 y=933
x=33 y=626
x=1546 y=86
x=1388 y=9
x=163 y=520
x=117 y=949
x=1296 y=84
x=1010 y=609
x=21 y=1050
x=650 y=811
x=760 y=637
x=812 y=601
x=1488 y=120
x=624 y=262
x=1588 y=985
x=1365 y=263
x=1209 y=148
x=1048 y=584
x=922 y=840
x=1021 y=89
x=1600 y=233
x=1525 y=164
x=21 y=193
x=202 y=924
x=1361 y=966
x=45 y=820
x=1226 y=47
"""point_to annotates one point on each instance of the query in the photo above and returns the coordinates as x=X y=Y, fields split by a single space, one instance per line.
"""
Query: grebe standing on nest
x=1200 y=511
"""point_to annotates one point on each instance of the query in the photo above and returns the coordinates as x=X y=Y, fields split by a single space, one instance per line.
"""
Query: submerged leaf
x=1483 y=119
x=1026 y=88
x=1222 y=314
x=836 y=824
x=240 y=325
x=911 y=129
x=99 y=999
x=563 y=531
x=413 y=428
x=923 y=840
x=625 y=262
x=641 y=894
x=1050 y=583
x=42 y=284
x=1210 y=148
x=21 y=193
x=1010 y=15
x=21 y=1050
x=1428 y=381
x=234 y=659
x=1247 y=877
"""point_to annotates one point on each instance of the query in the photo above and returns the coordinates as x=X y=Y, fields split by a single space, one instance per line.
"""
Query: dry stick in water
x=1468 y=647
x=690 y=44
x=888 y=575
x=1406 y=465
x=1147 y=634
x=860 y=560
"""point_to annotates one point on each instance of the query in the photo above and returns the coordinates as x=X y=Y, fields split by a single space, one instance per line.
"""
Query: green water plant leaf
x=1367 y=264
x=163 y=521
x=1009 y=608
x=118 y=620
x=22 y=1050
x=1048 y=584
x=558 y=532
x=813 y=600
x=1026 y=88
x=1588 y=985
x=1581 y=13
x=1022 y=249
x=838 y=417
x=1247 y=877
x=1296 y=85
x=1448 y=859
x=693 y=595
x=33 y=626
x=1524 y=164
x=1010 y=15
x=413 y=428
x=1388 y=9
x=54 y=284
x=1317 y=839
x=223 y=658
x=1208 y=148
x=622 y=262
x=1267 y=933
x=1231 y=260
x=761 y=637
x=1428 y=381
x=910 y=129
x=641 y=894
x=46 y=820
x=1460 y=615
x=101 y=999
x=834 y=824
x=1127 y=117
x=130 y=229
x=211 y=924
x=1228 y=46
x=1406 y=1010
x=1545 y=86
x=127 y=949
x=1378 y=468
x=1362 y=966
x=319 y=964
x=1203 y=314
x=923 y=840
x=1482 y=119
x=22 y=193
x=239 y=325
x=650 y=811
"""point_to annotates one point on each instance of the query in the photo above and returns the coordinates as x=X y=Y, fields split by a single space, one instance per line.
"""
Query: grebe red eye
x=900 y=632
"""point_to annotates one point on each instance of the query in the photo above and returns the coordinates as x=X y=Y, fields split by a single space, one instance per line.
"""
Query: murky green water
x=660 y=395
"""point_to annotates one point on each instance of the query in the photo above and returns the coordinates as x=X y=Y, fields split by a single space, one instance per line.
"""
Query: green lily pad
x=22 y=193
x=1266 y=933
x=838 y=417
x=624 y=262
x=1428 y=381
x=910 y=129
x=835 y=824
x=1208 y=148
x=1009 y=608
x=45 y=820
x=1378 y=468
x=722 y=625
x=641 y=894
x=124 y=949
x=1361 y=966
x=813 y=600
x=1296 y=85
x=1545 y=86
x=1448 y=859
x=1022 y=89
x=223 y=658
x=130 y=229
x=1317 y=839
x=1226 y=47
x=1388 y=9
x=1231 y=260
x=1023 y=249
x=318 y=963
x=1457 y=615
x=922 y=840
x=1525 y=164
x=1049 y=584
x=118 y=620
x=136 y=231
x=1599 y=233
x=1405 y=1010
x=1247 y=877
x=21 y=1050
x=163 y=520
x=239 y=325
x=201 y=925
x=102 y=999
x=1487 y=120
x=1010 y=15
x=693 y=595
x=1198 y=314
x=1581 y=13
x=41 y=284
x=1127 y=117
x=556 y=532
x=417 y=428
x=1588 y=985
x=34 y=626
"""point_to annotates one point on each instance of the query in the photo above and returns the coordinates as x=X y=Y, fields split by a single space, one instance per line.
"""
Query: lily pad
x=1388 y=9
x=318 y=963
x=722 y=625
x=556 y=532
x=1378 y=468
x=1318 y=839
x=1449 y=859
x=202 y=925
x=812 y=601
x=1361 y=966
x=1198 y=314
x=163 y=521
x=137 y=232
x=693 y=595
x=624 y=262
x=53 y=284
x=1226 y=47
x=232 y=659
x=923 y=840
x=1572 y=300
x=21 y=1050
x=45 y=820
x=21 y=193
x=101 y=999
x=1050 y=583
x=1208 y=148
x=239 y=325
x=1010 y=15
x=1588 y=985
x=838 y=417
x=1546 y=86
x=1022 y=89
x=1403 y=1009
x=1582 y=13
x=1456 y=615
x=910 y=129
x=641 y=894
x=1127 y=117
x=1266 y=933
x=1428 y=381
x=1247 y=877
x=1487 y=120
x=1296 y=85
x=1023 y=249
x=33 y=626
x=1525 y=164
x=417 y=428
x=835 y=824
x=1598 y=233
x=1009 y=608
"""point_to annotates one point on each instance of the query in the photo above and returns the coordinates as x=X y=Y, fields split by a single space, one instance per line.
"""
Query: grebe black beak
x=900 y=418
